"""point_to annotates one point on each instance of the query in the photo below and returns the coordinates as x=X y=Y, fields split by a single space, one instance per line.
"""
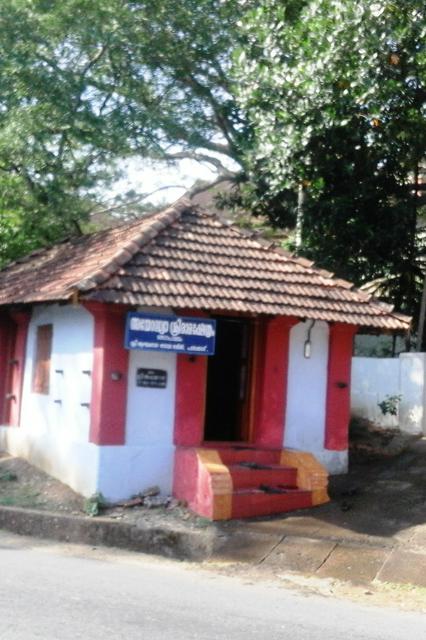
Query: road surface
x=49 y=593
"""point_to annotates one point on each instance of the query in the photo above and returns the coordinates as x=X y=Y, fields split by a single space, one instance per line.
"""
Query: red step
x=261 y=486
x=244 y=477
x=234 y=455
x=247 y=503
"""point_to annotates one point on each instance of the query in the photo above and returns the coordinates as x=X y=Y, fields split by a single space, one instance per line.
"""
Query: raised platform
x=240 y=482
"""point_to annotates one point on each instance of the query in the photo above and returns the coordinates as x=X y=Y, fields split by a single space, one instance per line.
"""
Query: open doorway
x=229 y=381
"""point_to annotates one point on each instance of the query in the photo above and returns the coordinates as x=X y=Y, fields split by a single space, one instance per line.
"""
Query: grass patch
x=21 y=499
x=94 y=505
x=401 y=588
x=8 y=476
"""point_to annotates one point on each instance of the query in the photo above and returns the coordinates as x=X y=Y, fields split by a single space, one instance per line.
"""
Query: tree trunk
x=299 y=217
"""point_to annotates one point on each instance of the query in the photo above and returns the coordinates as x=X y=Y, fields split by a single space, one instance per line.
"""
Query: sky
x=146 y=177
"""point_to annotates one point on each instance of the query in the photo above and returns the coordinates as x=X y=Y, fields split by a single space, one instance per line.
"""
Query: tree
x=335 y=93
x=85 y=83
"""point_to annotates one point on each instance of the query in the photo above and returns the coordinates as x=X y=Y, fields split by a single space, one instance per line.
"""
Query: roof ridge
x=389 y=309
x=386 y=306
x=401 y=316
x=72 y=239
x=37 y=252
x=160 y=220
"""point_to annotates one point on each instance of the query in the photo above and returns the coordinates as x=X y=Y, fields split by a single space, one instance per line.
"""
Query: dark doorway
x=228 y=382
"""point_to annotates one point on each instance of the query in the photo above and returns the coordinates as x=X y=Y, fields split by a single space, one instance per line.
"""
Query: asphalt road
x=49 y=593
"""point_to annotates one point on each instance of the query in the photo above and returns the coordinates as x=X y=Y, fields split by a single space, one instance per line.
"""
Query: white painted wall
x=412 y=387
x=146 y=459
x=54 y=435
x=375 y=378
x=306 y=396
x=307 y=386
x=371 y=380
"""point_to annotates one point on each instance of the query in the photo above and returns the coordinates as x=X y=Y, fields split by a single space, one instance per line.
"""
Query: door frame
x=254 y=377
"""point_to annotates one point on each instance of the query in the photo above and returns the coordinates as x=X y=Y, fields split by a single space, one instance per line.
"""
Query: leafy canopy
x=335 y=93
x=327 y=95
x=87 y=82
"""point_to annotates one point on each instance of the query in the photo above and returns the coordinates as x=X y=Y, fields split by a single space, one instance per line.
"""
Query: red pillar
x=6 y=335
x=191 y=388
x=191 y=380
x=272 y=390
x=109 y=375
x=17 y=367
x=338 y=386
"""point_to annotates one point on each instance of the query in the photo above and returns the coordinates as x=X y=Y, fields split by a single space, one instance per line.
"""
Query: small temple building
x=180 y=351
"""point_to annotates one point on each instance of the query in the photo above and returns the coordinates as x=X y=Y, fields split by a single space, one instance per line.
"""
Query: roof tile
x=182 y=258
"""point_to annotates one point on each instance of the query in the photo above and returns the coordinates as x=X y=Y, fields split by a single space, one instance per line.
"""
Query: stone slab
x=300 y=554
x=245 y=546
x=347 y=534
x=287 y=526
x=354 y=563
x=404 y=567
x=310 y=527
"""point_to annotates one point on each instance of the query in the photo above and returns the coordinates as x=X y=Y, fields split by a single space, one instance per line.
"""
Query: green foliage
x=87 y=82
x=330 y=95
x=8 y=476
x=389 y=406
x=94 y=505
x=312 y=66
x=335 y=92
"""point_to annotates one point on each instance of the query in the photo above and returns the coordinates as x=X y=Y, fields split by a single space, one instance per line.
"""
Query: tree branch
x=221 y=121
x=205 y=186
x=199 y=157
x=91 y=63
x=140 y=198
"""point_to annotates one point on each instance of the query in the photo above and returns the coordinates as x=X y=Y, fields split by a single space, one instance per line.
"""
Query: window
x=41 y=372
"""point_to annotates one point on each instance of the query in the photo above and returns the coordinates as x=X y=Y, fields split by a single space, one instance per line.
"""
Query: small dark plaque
x=154 y=378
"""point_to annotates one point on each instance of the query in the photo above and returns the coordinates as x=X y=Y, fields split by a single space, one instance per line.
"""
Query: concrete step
x=245 y=477
x=248 y=503
x=234 y=455
x=222 y=481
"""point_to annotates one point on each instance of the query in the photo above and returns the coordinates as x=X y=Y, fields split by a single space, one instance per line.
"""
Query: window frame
x=42 y=359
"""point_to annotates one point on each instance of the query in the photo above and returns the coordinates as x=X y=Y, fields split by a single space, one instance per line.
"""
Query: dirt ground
x=381 y=496
x=23 y=485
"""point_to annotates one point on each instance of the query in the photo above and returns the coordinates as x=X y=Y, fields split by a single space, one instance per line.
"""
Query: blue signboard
x=148 y=332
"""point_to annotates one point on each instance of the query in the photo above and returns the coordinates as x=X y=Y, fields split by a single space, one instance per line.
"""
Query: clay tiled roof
x=182 y=258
